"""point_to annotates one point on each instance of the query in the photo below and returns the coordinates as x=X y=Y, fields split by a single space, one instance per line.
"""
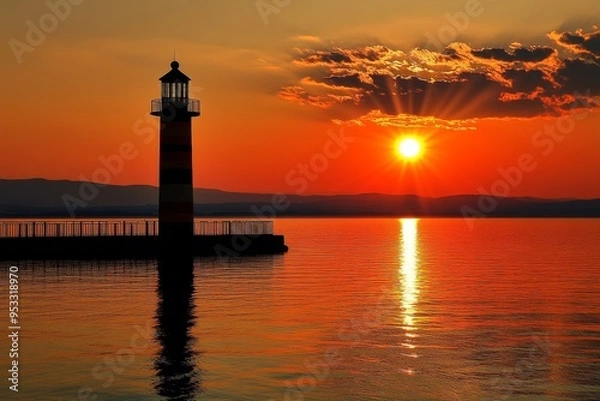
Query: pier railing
x=32 y=229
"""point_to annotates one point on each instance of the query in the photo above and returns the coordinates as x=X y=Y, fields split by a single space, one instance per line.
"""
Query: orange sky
x=482 y=83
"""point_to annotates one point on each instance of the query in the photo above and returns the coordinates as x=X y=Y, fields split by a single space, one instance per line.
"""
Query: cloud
x=579 y=76
x=432 y=88
x=408 y=121
x=579 y=42
x=306 y=38
x=326 y=58
x=533 y=55
x=529 y=81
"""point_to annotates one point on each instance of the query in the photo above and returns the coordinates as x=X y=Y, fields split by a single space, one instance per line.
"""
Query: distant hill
x=39 y=198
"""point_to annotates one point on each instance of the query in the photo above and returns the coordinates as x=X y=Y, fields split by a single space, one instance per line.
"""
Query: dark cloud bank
x=459 y=83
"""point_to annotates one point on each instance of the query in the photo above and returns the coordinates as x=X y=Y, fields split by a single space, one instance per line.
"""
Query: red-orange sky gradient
x=489 y=87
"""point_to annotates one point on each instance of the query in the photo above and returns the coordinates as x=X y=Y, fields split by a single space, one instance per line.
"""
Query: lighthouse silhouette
x=176 y=193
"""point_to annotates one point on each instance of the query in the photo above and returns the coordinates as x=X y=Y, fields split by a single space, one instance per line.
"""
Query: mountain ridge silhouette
x=39 y=197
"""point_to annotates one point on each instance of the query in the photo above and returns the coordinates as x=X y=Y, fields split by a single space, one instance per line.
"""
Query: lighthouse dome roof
x=175 y=75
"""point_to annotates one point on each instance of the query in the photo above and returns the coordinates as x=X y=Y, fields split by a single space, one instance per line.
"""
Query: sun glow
x=408 y=148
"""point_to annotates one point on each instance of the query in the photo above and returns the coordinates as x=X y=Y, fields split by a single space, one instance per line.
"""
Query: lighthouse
x=179 y=239
x=176 y=196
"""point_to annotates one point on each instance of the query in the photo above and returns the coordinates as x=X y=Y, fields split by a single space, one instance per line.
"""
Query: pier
x=176 y=234
x=126 y=239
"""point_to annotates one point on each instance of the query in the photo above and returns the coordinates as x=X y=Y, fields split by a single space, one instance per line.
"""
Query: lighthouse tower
x=176 y=197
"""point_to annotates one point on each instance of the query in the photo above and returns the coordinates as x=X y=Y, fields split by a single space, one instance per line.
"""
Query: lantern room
x=175 y=91
x=174 y=84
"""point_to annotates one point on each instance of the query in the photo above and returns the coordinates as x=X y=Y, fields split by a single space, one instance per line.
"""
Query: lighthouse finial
x=174 y=63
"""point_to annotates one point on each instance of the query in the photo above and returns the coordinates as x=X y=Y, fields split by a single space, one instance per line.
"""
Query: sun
x=408 y=148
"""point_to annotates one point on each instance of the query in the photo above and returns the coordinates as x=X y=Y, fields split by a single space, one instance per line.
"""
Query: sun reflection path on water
x=410 y=291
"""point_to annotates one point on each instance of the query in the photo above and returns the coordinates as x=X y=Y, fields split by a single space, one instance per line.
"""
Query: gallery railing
x=157 y=106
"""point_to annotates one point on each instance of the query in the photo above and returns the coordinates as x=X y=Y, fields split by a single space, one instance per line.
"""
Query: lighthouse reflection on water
x=177 y=375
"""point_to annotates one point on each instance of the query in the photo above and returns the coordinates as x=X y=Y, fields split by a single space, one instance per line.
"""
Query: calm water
x=365 y=309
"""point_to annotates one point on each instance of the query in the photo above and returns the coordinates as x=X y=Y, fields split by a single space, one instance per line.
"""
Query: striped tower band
x=176 y=198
